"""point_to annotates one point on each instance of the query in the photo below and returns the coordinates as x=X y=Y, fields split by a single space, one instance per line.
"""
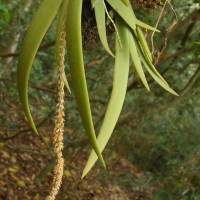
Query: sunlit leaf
x=37 y=29
x=116 y=101
x=75 y=59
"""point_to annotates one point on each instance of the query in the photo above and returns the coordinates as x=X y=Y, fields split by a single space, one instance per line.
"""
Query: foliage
x=129 y=37
x=156 y=132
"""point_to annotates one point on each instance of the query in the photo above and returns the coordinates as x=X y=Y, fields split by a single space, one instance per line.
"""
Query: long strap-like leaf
x=145 y=56
x=144 y=25
x=151 y=69
x=75 y=59
x=157 y=78
x=37 y=29
x=143 y=42
x=136 y=60
x=120 y=80
x=99 y=9
x=140 y=23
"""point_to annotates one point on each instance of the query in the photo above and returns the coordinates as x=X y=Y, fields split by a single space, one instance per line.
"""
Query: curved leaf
x=120 y=80
x=136 y=60
x=140 y=23
x=124 y=11
x=157 y=79
x=152 y=70
x=101 y=25
x=146 y=57
x=144 y=25
x=143 y=43
x=37 y=29
x=75 y=59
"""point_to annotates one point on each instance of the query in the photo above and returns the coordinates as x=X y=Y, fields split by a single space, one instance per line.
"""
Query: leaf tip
x=103 y=162
x=35 y=130
x=176 y=94
x=85 y=172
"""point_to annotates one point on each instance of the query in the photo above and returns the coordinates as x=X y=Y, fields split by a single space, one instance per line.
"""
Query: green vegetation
x=157 y=132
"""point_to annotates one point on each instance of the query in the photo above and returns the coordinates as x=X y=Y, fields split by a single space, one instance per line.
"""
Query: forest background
x=154 y=152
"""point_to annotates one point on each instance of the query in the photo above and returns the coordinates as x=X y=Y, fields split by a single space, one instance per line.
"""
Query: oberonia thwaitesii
x=129 y=43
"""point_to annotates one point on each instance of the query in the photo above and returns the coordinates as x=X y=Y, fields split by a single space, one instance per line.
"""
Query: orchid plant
x=129 y=43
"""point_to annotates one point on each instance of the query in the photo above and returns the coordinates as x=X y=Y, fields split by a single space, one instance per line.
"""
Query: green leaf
x=146 y=56
x=101 y=25
x=136 y=60
x=152 y=70
x=140 y=23
x=115 y=104
x=124 y=11
x=143 y=43
x=158 y=80
x=144 y=25
x=66 y=83
x=126 y=2
x=61 y=20
x=37 y=29
x=94 y=2
x=150 y=67
x=75 y=59
x=112 y=14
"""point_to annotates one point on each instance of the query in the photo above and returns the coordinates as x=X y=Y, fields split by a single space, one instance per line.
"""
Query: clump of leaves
x=129 y=42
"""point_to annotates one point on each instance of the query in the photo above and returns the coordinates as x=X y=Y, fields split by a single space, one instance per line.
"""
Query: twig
x=113 y=23
x=42 y=47
x=28 y=129
x=167 y=32
x=28 y=150
x=156 y=26
x=191 y=81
